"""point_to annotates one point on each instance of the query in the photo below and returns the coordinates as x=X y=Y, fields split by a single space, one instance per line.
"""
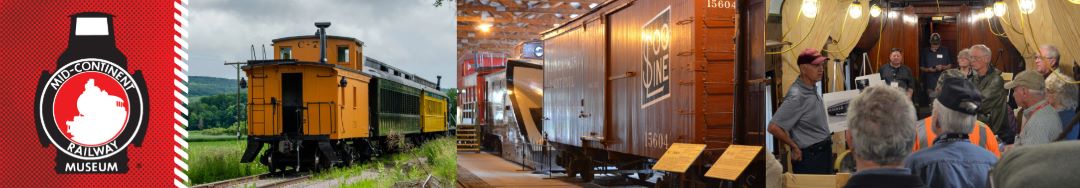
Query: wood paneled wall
x=977 y=31
x=910 y=36
x=900 y=30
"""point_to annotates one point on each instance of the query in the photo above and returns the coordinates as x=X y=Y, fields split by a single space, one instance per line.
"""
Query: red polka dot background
x=33 y=34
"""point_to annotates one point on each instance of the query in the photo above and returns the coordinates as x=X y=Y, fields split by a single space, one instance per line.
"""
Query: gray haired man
x=988 y=80
x=881 y=133
x=1047 y=60
x=953 y=161
x=1041 y=123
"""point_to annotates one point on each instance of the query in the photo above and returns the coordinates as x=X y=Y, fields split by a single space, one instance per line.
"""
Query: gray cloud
x=409 y=34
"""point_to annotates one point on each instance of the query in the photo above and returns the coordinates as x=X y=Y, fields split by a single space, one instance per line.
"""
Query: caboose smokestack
x=322 y=39
x=438 y=81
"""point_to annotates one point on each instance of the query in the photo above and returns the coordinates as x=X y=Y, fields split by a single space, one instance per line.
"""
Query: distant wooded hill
x=201 y=86
x=213 y=103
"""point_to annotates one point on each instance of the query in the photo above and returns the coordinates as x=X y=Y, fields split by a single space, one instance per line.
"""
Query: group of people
x=960 y=144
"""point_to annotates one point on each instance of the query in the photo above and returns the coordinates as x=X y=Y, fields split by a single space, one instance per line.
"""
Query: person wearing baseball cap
x=980 y=135
x=800 y=121
x=932 y=61
x=897 y=74
x=953 y=122
x=1041 y=123
x=1045 y=165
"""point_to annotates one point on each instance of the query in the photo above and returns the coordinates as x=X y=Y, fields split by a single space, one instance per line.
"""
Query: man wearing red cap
x=800 y=121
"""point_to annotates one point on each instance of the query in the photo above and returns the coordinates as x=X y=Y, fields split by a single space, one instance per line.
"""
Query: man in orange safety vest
x=981 y=135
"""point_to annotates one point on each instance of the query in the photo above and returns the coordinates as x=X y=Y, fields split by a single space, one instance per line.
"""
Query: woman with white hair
x=963 y=60
x=1061 y=94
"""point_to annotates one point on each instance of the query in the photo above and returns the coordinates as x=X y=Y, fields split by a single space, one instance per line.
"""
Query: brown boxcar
x=628 y=79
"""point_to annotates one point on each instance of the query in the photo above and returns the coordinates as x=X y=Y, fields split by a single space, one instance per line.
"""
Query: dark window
x=343 y=54
x=286 y=53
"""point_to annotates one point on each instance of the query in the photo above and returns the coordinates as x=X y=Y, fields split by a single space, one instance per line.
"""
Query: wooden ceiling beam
x=467 y=52
x=480 y=42
x=583 y=2
x=491 y=9
x=518 y=37
x=506 y=33
x=487 y=48
x=504 y=29
x=495 y=50
x=539 y=21
x=506 y=3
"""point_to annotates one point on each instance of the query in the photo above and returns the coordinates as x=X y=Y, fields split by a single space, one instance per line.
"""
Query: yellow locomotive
x=312 y=108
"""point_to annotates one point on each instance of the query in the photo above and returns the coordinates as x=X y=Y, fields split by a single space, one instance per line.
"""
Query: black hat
x=960 y=95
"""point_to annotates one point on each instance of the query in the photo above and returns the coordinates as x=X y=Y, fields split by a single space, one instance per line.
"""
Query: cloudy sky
x=409 y=34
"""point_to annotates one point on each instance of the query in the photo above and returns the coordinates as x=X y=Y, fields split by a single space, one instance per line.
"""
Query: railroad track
x=262 y=180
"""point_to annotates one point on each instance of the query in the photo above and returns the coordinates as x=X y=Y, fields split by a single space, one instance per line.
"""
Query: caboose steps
x=467 y=139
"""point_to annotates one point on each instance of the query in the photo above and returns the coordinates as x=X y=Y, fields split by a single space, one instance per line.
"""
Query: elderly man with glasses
x=1047 y=60
x=992 y=87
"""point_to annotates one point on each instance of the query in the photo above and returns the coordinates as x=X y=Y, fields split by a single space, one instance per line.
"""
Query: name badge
x=939 y=56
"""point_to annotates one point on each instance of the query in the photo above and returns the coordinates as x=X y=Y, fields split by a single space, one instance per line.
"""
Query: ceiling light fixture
x=855 y=9
x=1027 y=6
x=485 y=27
x=1000 y=8
x=810 y=8
x=875 y=11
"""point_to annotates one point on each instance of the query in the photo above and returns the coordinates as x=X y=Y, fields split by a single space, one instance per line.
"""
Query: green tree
x=219 y=110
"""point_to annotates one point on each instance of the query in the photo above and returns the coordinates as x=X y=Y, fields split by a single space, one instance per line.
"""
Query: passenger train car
x=515 y=99
x=310 y=108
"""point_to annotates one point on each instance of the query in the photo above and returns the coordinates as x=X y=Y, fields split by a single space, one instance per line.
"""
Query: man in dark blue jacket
x=953 y=161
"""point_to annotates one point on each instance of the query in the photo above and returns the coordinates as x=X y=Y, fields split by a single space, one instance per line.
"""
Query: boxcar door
x=594 y=81
x=292 y=99
x=623 y=77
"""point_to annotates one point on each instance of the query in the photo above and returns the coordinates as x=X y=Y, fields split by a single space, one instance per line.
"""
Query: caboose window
x=286 y=53
x=343 y=54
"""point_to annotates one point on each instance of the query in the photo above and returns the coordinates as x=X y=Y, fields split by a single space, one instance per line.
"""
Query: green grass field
x=220 y=160
x=212 y=161
x=441 y=163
